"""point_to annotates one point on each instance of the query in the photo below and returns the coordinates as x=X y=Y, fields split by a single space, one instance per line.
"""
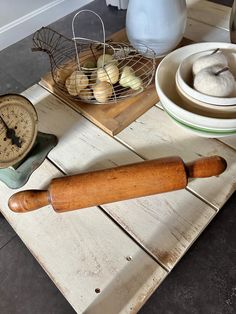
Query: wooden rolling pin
x=115 y=184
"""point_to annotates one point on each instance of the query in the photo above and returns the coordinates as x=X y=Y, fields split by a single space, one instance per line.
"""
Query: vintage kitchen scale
x=22 y=147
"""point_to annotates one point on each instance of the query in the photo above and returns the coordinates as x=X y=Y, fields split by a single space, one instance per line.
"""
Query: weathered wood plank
x=209 y=13
x=82 y=146
x=83 y=251
x=207 y=21
x=200 y=32
x=155 y=135
x=231 y=141
x=166 y=224
x=161 y=223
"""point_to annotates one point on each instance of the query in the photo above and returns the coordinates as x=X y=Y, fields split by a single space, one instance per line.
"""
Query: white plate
x=166 y=88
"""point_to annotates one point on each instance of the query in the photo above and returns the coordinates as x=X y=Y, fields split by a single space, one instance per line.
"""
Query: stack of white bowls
x=205 y=115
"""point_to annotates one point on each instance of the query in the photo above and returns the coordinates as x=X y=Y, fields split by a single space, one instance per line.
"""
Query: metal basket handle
x=75 y=37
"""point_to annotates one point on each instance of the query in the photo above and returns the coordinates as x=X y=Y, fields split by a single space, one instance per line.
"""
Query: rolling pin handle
x=29 y=200
x=206 y=167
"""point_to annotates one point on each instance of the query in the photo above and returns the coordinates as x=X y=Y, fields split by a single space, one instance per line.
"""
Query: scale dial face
x=18 y=128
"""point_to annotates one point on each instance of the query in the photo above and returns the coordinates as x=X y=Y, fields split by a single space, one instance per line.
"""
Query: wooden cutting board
x=112 y=118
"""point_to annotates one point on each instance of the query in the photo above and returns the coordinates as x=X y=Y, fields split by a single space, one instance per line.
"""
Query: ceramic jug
x=158 y=24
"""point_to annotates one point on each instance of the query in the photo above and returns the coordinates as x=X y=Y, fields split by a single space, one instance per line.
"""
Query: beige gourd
x=128 y=79
x=102 y=91
x=105 y=59
x=109 y=73
x=76 y=82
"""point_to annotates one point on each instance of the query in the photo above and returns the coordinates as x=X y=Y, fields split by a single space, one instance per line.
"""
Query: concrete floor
x=204 y=281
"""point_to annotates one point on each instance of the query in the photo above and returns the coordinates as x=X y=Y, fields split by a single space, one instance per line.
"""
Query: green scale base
x=16 y=176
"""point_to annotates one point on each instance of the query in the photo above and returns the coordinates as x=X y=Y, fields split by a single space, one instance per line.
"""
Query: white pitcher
x=158 y=24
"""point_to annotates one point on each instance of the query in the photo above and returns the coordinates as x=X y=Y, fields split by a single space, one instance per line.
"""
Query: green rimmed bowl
x=204 y=132
x=173 y=103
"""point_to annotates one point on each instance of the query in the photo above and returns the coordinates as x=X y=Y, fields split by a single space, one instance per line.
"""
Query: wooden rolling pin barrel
x=116 y=184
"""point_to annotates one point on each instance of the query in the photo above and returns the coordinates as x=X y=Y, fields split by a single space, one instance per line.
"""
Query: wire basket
x=93 y=71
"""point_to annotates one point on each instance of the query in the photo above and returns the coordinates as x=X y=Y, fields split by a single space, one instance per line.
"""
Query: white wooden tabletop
x=110 y=259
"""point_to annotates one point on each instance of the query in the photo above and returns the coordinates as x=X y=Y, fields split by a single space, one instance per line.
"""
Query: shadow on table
x=117 y=296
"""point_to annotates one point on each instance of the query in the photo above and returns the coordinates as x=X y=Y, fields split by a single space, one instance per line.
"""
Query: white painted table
x=110 y=259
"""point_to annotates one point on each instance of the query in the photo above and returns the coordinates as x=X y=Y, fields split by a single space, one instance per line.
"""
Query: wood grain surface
x=160 y=223
x=89 y=258
x=90 y=254
x=155 y=134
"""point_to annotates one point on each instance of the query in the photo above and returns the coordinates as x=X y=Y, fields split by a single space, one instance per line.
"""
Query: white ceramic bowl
x=202 y=131
x=205 y=108
x=172 y=102
x=185 y=78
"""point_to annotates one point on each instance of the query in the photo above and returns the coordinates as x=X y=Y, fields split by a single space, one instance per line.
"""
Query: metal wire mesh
x=85 y=80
